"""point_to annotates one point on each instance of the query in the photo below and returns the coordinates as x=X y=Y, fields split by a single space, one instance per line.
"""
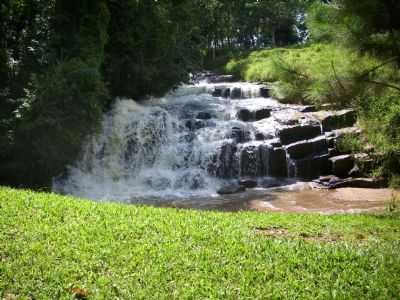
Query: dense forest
x=63 y=62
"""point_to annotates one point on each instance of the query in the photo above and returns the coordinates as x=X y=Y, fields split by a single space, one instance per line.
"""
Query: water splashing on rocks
x=198 y=139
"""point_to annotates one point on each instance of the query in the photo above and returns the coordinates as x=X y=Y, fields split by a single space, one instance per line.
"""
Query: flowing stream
x=187 y=144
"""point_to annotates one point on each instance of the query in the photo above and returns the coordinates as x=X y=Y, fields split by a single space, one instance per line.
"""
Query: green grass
x=51 y=244
x=304 y=74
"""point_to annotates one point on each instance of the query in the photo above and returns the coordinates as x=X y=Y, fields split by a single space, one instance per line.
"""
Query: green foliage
x=152 y=46
x=316 y=74
x=52 y=244
x=65 y=107
x=381 y=122
x=349 y=143
x=80 y=30
x=369 y=26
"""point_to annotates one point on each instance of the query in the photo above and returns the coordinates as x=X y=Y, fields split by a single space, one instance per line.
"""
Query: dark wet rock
x=332 y=120
x=308 y=108
x=240 y=134
x=245 y=115
x=327 y=179
x=276 y=144
x=260 y=136
x=294 y=134
x=264 y=92
x=342 y=165
x=323 y=182
x=333 y=152
x=226 y=92
x=250 y=161
x=307 y=148
x=263 y=113
x=265 y=161
x=248 y=182
x=310 y=168
x=367 y=183
x=204 y=115
x=217 y=92
x=231 y=189
x=221 y=78
x=236 y=93
x=227 y=165
x=331 y=141
x=277 y=162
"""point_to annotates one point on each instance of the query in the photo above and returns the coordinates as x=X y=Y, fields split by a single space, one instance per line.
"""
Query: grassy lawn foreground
x=55 y=247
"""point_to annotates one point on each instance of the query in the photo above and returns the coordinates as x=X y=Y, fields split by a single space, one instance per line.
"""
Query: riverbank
x=61 y=247
x=296 y=198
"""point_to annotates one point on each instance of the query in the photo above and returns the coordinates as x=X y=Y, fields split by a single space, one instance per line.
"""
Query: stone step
x=307 y=148
x=342 y=165
x=310 y=168
x=296 y=133
x=332 y=120
x=247 y=115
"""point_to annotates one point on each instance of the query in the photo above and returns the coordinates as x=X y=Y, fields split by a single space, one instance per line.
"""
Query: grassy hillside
x=55 y=247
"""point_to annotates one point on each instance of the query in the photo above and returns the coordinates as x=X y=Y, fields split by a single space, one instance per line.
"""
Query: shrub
x=64 y=108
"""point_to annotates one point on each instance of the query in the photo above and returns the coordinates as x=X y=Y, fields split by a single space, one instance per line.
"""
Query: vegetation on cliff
x=350 y=60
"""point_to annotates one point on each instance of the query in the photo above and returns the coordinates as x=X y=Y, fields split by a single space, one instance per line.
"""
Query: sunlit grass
x=55 y=247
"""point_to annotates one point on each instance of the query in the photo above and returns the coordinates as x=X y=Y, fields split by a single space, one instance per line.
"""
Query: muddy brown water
x=299 y=198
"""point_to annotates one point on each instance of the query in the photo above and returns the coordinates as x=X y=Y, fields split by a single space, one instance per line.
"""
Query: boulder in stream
x=248 y=182
x=231 y=189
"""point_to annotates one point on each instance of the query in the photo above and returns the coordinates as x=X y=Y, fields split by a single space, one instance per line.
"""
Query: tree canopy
x=63 y=62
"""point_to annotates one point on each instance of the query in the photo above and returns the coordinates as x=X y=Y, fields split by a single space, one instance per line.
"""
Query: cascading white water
x=186 y=144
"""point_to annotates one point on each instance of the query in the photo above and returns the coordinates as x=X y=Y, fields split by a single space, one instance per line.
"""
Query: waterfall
x=186 y=144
